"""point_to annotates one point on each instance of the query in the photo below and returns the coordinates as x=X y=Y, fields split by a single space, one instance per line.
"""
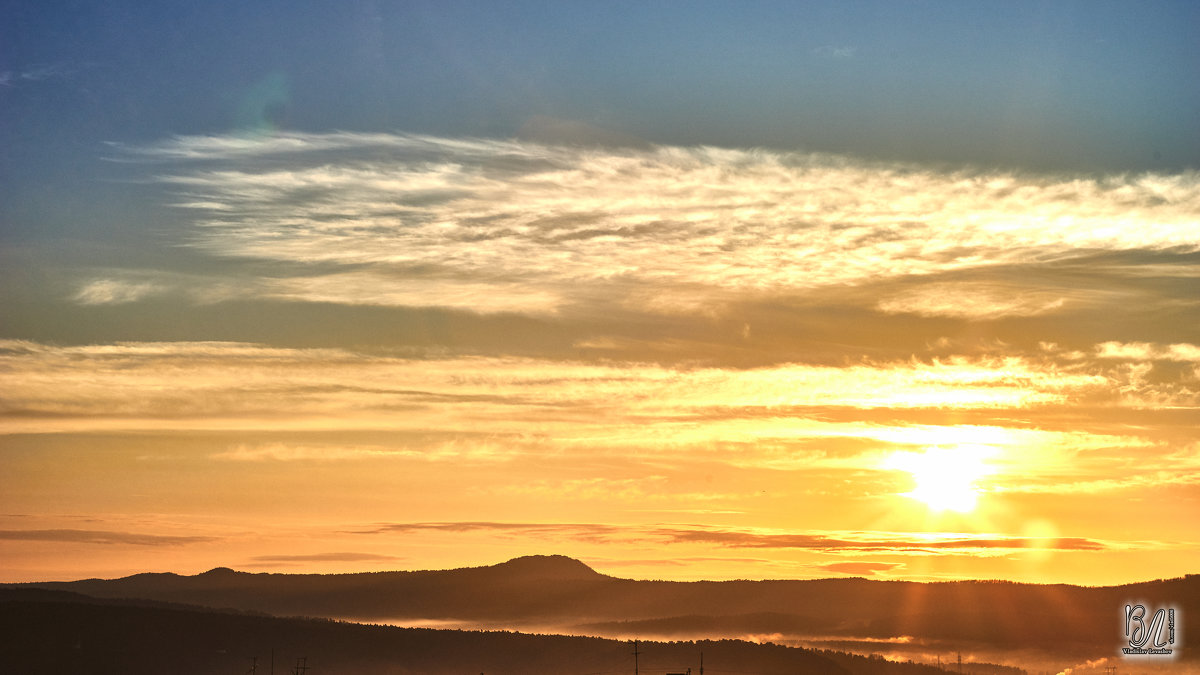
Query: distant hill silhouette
x=558 y=567
x=55 y=632
x=560 y=594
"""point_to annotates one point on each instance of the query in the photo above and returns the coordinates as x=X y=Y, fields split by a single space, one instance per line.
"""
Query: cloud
x=118 y=287
x=36 y=73
x=280 y=452
x=1146 y=351
x=874 y=542
x=822 y=420
x=632 y=562
x=271 y=560
x=101 y=537
x=115 y=292
x=366 y=287
x=575 y=531
x=859 y=568
x=973 y=300
x=1147 y=475
x=835 y=542
x=642 y=490
x=508 y=225
x=791 y=417
x=1183 y=352
x=288 y=142
x=221 y=380
x=835 y=51
x=480 y=450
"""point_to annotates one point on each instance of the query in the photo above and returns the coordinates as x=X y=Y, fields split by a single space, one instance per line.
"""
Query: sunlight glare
x=946 y=478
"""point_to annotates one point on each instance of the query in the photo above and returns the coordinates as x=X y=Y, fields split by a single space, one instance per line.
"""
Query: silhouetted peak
x=219 y=572
x=547 y=566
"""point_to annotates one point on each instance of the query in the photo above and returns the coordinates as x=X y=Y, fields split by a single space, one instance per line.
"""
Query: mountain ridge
x=558 y=594
x=563 y=566
x=52 y=635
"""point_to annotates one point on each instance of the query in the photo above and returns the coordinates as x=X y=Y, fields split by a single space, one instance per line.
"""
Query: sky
x=704 y=290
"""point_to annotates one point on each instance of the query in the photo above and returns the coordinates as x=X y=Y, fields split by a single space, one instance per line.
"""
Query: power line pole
x=701 y=663
x=635 y=657
x=301 y=666
x=253 y=665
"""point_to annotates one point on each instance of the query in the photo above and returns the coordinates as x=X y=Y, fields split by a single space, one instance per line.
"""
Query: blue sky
x=1064 y=84
x=747 y=272
x=1082 y=86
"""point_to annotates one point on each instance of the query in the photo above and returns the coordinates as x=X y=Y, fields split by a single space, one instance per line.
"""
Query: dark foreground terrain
x=59 y=632
x=1036 y=627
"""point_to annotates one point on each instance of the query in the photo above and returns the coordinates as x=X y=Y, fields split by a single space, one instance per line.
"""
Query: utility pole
x=701 y=663
x=635 y=657
x=301 y=666
x=253 y=665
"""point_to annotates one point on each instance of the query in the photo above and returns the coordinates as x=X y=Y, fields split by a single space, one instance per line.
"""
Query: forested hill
x=44 y=632
x=564 y=595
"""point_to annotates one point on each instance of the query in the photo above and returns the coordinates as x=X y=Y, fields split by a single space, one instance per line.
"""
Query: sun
x=946 y=477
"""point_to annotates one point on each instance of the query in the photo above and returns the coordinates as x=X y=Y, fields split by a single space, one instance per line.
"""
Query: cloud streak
x=786 y=417
x=859 y=568
x=217 y=380
x=517 y=226
x=835 y=51
x=115 y=292
x=826 y=542
x=105 y=537
x=36 y=73
x=478 y=451
x=268 y=560
x=973 y=300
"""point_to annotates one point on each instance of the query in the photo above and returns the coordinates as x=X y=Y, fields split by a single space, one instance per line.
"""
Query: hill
x=1058 y=625
x=58 y=632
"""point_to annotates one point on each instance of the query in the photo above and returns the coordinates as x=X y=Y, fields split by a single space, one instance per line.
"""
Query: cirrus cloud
x=481 y=223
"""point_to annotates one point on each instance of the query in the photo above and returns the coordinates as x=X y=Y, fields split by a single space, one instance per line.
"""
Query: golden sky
x=356 y=352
